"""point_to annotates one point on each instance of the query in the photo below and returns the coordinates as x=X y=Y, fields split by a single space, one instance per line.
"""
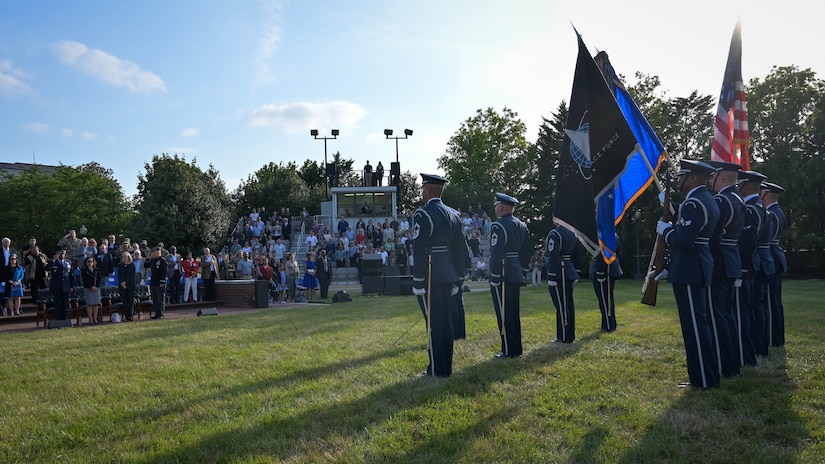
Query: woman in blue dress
x=17 y=274
x=310 y=281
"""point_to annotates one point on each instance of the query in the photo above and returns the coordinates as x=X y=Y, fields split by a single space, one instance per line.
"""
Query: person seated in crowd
x=481 y=269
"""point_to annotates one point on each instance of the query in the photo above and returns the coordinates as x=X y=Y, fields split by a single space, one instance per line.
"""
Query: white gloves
x=662 y=275
x=454 y=291
x=419 y=291
x=662 y=198
x=662 y=226
x=737 y=283
x=552 y=283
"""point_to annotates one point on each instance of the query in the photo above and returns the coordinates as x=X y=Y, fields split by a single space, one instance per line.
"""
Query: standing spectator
x=191 y=269
x=36 y=270
x=281 y=283
x=310 y=280
x=291 y=269
x=159 y=271
x=209 y=272
x=91 y=277
x=265 y=273
x=105 y=262
x=280 y=250
x=324 y=273
x=24 y=252
x=475 y=245
x=70 y=242
x=173 y=269
x=340 y=255
x=14 y=285
x=60 y=283
x=510 y=252
x=536 y=263
x=126 y=281
x=368 y=174
x=5 y=272
x=312 y=241
x=245 y=267
x=343 y=225
x=379 y=174
x=140 y=267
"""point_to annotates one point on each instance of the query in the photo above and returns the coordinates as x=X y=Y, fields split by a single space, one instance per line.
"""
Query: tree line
x=178 y=202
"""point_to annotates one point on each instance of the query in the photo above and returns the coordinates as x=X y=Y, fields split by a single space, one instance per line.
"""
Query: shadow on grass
x=748 y=419
x=285 y=437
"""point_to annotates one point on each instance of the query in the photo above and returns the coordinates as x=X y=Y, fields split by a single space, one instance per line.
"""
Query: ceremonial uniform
x=60 y=272
x=439 y=248
x=561 y=275
x=604 y=281
x=458 y=312
x=761 y=288
x=158 y=270
x=510 y=253
x=691 y=272
x=776 y=334
x=749 y=258
x=727 y=268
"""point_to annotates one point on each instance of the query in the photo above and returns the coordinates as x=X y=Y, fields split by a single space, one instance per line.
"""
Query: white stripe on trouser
x=429 y=333
x=739 y=329
x=715 y=330
x=500 y=303
x=770 y=316
x=561 y=310
x=696 y=334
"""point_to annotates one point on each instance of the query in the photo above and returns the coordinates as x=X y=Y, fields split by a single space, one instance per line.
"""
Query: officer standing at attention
x=510 y=252
x=158 y=270
x=604 y=277
x=727 y=266
x=770 y=197
x=60 y=270
x=439 y=248
x=748 y=184
x=767 y=269
x=561 y=275
x=691 y=270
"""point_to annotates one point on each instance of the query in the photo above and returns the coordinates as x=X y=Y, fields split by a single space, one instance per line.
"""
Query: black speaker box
x=55 y=324
x=372 y=284
x=395 y=168
x=208 y=312
x=330 y=170
x=392 y=285
x=341 y=297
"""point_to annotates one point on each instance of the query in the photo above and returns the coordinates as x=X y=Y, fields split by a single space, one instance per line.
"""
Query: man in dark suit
x=510 y=252
x=60 y=272
x=727 y=266
x=770 y=197
x=749 y=182
x=691 y=269
x=323 y=269
x=440 y=251
x=158 y=270
x=561 y=276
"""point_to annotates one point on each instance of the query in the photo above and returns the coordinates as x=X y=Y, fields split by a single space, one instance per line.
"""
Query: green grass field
x=338 y=383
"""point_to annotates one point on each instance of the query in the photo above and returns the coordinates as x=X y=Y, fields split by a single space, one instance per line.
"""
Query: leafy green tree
x=409 y=194
x=180 y=204
x=485 y=155
x=44 y=205
x=274 y=186
x=785 y=115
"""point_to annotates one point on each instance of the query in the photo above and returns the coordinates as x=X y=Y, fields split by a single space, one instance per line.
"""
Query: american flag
x=731 y=138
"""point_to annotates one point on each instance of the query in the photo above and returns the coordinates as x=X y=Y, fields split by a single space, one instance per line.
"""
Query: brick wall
x=236 y=292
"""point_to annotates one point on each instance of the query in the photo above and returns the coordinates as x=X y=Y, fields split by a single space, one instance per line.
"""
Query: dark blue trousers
x=506 y=301
x=692 y=302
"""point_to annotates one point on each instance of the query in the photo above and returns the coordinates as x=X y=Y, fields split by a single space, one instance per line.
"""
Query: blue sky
x=238 y=84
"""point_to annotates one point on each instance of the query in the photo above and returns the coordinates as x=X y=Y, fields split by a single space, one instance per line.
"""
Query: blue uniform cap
x=725 y=166
x=505 y=199
x=771 y=187
x=696 y=167
x=433 y=179
x=752 y=176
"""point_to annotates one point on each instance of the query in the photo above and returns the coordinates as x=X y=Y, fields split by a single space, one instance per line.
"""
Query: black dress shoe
x=499 y=355
x=156 y=317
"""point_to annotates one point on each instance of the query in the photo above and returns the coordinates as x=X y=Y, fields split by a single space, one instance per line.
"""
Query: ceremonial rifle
x=657 y=259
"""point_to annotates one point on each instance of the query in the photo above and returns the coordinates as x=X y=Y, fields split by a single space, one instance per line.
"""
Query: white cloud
x=37 y=127
x=108 y=68
x=269 y=40
x=11 y=80
x=190 y=132
x=89 y=135
x=67 y=132
x=301 y=116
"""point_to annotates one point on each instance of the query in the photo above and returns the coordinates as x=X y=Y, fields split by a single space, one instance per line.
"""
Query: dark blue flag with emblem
x=597 y=143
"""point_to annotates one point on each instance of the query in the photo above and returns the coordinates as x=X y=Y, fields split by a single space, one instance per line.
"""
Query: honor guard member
x=439 y=248
x=561 y=275
x=604 y=277
x=691 y=269
x=749 y=183
x=727 y=266
x=770 y=198
x=60 y=272
x=766 y=271
x=158 y=270
x=510 y=252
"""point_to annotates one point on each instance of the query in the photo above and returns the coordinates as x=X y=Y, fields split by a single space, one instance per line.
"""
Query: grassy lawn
x=337 y=384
